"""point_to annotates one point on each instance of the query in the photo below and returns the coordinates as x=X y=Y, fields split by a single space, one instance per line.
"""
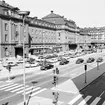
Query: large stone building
x=40 y=35
x=52 y=33
x=66 y=30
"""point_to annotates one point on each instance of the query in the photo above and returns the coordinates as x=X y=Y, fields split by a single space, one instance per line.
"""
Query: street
x=13 y=92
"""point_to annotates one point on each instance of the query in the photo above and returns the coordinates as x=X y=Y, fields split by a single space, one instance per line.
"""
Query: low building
x=97 y=35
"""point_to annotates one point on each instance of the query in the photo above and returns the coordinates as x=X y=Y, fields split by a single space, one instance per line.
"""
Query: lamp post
x=85 y=68
x=24 y=14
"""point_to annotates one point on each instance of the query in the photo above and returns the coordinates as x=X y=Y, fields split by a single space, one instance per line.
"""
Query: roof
x=59 y=20
x=4 y=4
x=52 y=15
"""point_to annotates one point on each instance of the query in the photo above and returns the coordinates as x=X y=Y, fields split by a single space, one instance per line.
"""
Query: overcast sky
x=86 y=13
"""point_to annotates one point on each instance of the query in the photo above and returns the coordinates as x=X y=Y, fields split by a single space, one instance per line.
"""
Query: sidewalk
x=17 y=72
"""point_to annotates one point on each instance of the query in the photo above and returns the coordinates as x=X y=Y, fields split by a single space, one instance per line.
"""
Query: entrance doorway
x=18 y=52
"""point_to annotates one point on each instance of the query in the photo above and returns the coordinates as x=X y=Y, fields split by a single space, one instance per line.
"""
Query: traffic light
x=9 y=68
x=55 y=100
x=57 y=71
x=55 y=79
x=85 y=67
x=54 y=71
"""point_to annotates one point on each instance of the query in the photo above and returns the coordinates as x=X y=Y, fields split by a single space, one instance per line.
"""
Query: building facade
x=66 y=30
x=52 y=33
x=97 y=35
x=40 y=35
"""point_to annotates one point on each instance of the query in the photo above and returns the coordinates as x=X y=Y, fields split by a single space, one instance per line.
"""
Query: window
x=16 y=36
x=59 y=34
x=6 y=26
x=6 y=37
x=6 y=52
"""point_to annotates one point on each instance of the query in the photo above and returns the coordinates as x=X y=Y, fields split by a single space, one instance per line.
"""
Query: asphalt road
x=13 y=92
x=94 y=94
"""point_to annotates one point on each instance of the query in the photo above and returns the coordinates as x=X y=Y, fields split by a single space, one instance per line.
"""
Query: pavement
x=73 y=85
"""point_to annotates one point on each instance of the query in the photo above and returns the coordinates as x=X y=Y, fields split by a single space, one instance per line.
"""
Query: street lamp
x=24 y=14
x=85 y=68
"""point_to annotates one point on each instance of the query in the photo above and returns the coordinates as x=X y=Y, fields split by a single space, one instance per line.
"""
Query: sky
x=85 y=13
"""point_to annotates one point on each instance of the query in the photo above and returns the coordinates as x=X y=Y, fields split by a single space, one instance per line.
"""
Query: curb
x=14 y=76
x=91 y=82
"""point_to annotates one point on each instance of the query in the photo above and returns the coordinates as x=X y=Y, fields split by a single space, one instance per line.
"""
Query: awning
x=32 y=48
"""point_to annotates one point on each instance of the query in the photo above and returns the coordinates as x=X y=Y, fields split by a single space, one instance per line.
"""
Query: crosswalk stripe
x=103 y=103
x=83 y=102
x=33 y=90
x=95 y=101
x=8 y=86
x=22 y=90
x=75 y=99
x=14 y=87
x=18 y=89
x=38 y=92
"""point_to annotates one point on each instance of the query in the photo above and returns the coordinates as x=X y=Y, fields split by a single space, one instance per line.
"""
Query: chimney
x=51 y=11
x=35 y=17
x=3 y=1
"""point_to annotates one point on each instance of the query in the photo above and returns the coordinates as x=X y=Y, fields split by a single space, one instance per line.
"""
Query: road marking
x=23 y=90
x=102 y=93
x=38 y=92
x=33 y=90
x=8 y=86
x=83 y=102
x=18 y=89
x=14 y=87
x=75 y=99
x=95 y=101
x=103 y=103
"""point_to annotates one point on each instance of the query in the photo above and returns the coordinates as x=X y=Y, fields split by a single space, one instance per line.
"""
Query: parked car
x=100 y=59
x=51 y=56
x=52 y=60
x=34 y=64
x=41 y=63
x=63 y=61
x=79 y=60
x=27 y=65
x=46 y=66
x=90 y=60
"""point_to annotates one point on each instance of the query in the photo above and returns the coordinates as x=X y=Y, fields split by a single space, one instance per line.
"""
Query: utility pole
x=85 y=68
x=97 y=65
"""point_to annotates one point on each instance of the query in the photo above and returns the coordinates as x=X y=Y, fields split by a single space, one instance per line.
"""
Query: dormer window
x=9 y=12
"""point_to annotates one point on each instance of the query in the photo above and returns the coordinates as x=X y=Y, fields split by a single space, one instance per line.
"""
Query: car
x=52 y=60
x=60 y=58
x=34 y=64
x=63 y=61
x=90 y=60
x=79 y=60
x=31 y=60
x=46 y=66
x=41 y=63
x=100 y=59
x=12 y=63
x=27 y=65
